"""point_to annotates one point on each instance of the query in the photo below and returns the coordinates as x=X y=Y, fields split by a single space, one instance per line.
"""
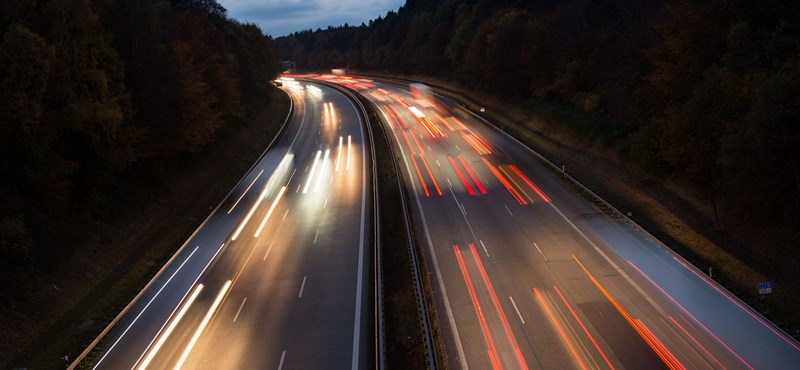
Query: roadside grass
x=74 y=303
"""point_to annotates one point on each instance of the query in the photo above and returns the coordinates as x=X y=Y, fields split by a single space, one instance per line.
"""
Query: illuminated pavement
x=276 y=277
x=526 y=274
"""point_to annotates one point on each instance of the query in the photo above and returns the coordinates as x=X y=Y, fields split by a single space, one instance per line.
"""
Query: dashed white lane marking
x=280 y=364
x=516 y=309
x=240 y=309
x=302 y=286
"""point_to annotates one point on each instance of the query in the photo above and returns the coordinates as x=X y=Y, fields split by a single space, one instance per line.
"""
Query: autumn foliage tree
x=95 y=94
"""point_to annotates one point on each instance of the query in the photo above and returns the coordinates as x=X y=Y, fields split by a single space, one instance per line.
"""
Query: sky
x=282 y=17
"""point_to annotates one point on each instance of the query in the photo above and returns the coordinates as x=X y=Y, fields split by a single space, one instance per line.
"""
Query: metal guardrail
x=78 y=360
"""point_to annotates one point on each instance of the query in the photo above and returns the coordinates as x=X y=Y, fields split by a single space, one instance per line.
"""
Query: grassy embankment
x=74 y=303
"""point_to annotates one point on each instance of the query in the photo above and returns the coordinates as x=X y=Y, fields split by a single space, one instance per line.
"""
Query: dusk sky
x=281 y=17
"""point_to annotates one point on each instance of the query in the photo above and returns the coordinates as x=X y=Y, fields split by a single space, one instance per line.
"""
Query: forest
x=703 y=95
x=97 y=97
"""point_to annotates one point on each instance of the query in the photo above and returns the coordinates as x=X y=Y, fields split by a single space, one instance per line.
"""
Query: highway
x=527 y=274
x=278 y=275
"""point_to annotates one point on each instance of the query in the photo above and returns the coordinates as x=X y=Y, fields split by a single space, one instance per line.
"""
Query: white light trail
x=170 y=328
x=311 y=175
x=250 y=214
x=206 y=319
x=322 y=170
x=269 y=213
x=339 y=154
x=348 y=153
x=245 y=192
x=417 y=113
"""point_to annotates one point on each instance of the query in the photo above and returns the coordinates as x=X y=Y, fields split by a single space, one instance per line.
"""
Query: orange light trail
x=483 y=142
x=515 y=183
x=487 y=336
x=503 y=319
x=664 y=356
x=435 y=128
x=421 y=149
x=449 y=126
x=389 y=114
x=558 y=327
x=409 y=143
x=472 y=175
x=456 y=120
x=505 y=183
x=659 y=344
x=583 y=327
x=695 y=340
x=438 y=190
x=690 y=315
x=421 y=122
x=529 y=182
x=396 y=115
x=421 y=180
x=461 y=176
x=473 y=144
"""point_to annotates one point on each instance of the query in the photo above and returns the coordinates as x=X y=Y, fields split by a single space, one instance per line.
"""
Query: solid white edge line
x=245 y=192
x=202 y=326
x=173 y=323
x=144 y=309
x=182 y=298
x=362 y=228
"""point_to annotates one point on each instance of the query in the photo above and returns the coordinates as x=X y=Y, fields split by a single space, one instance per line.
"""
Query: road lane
x=285 y=288
x=589 y=291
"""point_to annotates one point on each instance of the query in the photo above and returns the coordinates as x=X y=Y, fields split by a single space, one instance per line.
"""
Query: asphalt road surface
x=526 y=274
x=276 y=277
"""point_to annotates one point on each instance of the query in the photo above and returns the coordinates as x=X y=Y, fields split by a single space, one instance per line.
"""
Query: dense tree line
x=705 y=94
x=96 y=94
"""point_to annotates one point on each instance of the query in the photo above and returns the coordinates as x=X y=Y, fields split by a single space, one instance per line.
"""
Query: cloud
x=282 y=17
